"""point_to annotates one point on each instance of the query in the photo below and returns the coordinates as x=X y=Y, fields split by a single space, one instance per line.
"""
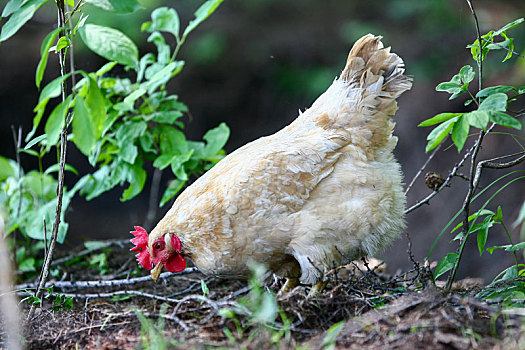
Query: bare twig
x=492 y=165
x=444 y=185
x=453 y=173
x=422 y=168
x=113 y=294
x=107 y=283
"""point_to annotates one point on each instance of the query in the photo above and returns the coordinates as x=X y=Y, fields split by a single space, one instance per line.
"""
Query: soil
x=362 y=307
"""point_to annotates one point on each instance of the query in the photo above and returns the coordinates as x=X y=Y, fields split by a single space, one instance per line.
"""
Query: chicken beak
x=155 y=273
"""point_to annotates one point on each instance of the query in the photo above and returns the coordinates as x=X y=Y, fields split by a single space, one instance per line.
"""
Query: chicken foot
x=318 y=287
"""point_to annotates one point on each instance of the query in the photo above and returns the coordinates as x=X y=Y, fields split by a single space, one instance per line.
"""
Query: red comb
x=141 y=247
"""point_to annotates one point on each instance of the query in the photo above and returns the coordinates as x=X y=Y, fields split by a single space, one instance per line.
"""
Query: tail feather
x=358 y=105
x=368 y=54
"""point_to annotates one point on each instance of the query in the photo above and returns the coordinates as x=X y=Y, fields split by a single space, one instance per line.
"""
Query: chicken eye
x=158 y=245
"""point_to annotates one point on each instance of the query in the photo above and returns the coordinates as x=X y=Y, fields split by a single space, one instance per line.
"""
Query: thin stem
x=480 y=56
x=422 y=168
x=71 y=48
x=511 y=242
x=60 y=186
x=477 y=146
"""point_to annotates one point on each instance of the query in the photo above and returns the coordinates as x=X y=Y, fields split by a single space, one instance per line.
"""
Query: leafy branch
x=492 y=108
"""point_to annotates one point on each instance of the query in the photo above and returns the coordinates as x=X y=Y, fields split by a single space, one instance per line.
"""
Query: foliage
x=256 y=313
x=493 y=107
x=151 y=335
x=59 y=302
x=120 y=122
x=492 y=102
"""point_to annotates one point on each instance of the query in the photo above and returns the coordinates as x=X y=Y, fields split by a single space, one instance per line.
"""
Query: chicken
x=321 y=192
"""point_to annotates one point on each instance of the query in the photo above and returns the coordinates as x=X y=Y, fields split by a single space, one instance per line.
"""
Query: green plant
x=121 y=122
x=493 y=105
x=151 y=335
x=256 y=313
x=59 y=301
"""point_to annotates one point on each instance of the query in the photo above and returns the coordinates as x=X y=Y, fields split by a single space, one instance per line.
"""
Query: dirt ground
x=362 y=307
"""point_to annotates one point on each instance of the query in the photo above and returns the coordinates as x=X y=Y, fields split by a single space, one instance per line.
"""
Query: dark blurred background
x=255 y=63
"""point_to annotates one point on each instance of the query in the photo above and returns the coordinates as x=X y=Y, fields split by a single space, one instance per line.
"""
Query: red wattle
x=175 y=263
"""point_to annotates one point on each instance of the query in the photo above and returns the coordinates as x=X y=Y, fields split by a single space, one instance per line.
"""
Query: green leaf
x=131 y=98
x=6 y=170
x=440 y=118
x=56 y=121
x=449 y=87
x=467 y=74
x=439 y=133
x=499 y=214
x=128 y=152
x=62 y=43
x=166 y=117
x=12 y=6
x=509 y=26
x=215 y=140
x=126 y=135
x=163 y=161
x=105 y=68
x=506 y=120
x=110 y=43
x=176 y=165
x=445 y=264
x=51 y=90
x=483 y=233
x=56 y=167
x=494 y=89
x=118 y=6
x=163 y=49
x=44 y=53
x=172 y=141
x=163 y=75
x=136 y=176
x=329 y=341
x=474 y=216
x=80 y=23
x=494 y=102
x=204 y=288
x=34 y=141
x=84 y=133
x=201 y=14
x=478 y=119
x=27 y=265
x=96 y=105
x=460 y=132
x=19 y=18
x=146 y=142
x=166 y=20
x=173 y=188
